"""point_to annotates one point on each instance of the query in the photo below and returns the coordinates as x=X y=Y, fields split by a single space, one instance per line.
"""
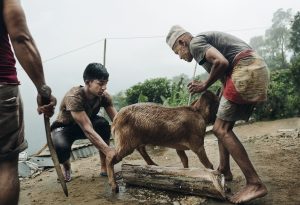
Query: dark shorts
x=232 y=112
x=11 y=122
x=64 y=136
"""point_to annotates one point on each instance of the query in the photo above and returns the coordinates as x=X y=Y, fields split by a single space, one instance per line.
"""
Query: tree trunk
x=194 y=181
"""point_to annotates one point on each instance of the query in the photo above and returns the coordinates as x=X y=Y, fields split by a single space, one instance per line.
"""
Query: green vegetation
x=149 y=91
x=283 y=98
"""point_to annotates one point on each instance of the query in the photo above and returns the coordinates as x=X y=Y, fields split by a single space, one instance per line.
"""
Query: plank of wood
x=194 y=181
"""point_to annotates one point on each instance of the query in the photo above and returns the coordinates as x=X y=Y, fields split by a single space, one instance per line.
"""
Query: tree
x=150 y=90
x=295 y=46
x=295 y=34
x=133 y=93
x=259 y=45
x=295 y=69
x=119 y=100
x=277 y=39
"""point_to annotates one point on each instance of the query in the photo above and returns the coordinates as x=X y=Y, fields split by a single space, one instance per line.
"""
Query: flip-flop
x=103 y=174
x=67 y=175
x=118 y=175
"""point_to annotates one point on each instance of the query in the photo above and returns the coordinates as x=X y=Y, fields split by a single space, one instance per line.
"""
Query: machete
x=45 y=92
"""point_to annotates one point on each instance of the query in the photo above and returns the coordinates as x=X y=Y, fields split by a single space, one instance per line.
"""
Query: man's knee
x=218 y=131
x=63 y=153
x=62 y=145
x=221 y=128
x=9 y=179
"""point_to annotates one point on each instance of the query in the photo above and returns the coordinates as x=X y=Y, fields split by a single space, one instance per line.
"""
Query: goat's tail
x=116 y=136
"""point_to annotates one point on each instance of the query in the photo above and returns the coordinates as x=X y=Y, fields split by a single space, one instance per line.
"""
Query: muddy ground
x=273 y=147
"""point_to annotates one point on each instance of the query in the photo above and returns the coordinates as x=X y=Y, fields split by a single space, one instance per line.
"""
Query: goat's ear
x=207 y=111
x=211 y=96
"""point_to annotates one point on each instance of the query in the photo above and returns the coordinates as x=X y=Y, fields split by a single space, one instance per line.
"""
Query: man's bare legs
x=9 y=181
x=254 y=187
x=224 y=164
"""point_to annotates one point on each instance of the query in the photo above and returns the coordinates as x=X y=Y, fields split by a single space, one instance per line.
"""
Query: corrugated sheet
x=83 y=152
x=84 y=148
x=42 y=161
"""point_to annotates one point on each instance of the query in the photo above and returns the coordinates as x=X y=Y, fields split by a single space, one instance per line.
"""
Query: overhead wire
x=127 y=38
x=73 y=50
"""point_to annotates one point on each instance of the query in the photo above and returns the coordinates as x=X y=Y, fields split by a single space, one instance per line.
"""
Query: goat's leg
x=143 y=152
x=110 y=162
x=183 y=158
x=200 y=152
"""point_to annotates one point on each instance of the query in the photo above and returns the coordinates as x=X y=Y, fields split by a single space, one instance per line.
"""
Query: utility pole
x=104 y=53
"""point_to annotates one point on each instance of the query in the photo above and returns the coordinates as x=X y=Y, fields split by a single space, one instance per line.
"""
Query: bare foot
x=248 y=193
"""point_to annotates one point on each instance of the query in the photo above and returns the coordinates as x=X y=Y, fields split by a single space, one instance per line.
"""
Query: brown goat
x=181 y=128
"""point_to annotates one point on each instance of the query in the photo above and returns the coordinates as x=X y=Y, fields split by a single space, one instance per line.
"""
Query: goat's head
x=207 y=104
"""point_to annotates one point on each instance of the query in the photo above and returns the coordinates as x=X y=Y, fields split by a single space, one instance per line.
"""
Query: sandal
x=118 y=175
x=103 y=174
x=67 y=175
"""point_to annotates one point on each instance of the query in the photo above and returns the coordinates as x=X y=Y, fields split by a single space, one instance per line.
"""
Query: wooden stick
x=190 y=96
x=45 y=92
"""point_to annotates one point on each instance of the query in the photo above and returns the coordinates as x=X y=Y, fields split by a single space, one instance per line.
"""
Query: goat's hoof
x=115 y=189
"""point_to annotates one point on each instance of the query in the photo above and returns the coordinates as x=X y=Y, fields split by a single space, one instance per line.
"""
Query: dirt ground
x=273 y=147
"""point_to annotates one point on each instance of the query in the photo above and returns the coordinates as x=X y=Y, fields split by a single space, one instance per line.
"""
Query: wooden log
x=194 y=181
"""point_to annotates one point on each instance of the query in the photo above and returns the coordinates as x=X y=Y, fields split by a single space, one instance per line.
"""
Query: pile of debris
x=31 y=166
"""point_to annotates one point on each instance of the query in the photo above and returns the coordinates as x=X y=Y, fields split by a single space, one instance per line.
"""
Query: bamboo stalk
x=190 y=96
